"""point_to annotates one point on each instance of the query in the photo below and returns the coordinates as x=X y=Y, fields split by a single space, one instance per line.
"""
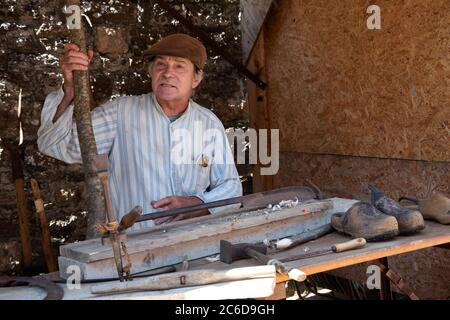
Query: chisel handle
x=349 y=245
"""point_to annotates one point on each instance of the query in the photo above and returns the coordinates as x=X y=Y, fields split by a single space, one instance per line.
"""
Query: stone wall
x=32 y=34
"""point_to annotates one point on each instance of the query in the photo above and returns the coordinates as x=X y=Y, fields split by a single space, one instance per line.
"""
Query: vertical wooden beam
x=88 y=146
x=259 y=109
x=385 y=291
x=17 y=155
x=45 y=233
x=254 y=13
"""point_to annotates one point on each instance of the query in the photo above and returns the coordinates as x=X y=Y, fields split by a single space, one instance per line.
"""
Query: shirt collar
x=161 y=111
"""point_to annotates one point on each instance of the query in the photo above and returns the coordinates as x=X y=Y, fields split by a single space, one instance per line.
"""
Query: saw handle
x=349 y=245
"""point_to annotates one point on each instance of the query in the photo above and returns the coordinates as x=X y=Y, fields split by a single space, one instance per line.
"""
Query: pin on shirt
x=203 y=161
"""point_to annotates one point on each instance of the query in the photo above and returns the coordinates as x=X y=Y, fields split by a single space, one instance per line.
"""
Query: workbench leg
x=279 y=292
x=385 y=290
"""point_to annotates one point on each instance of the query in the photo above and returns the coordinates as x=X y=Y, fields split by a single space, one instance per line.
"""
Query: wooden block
x=168 y=245
x=185 y=279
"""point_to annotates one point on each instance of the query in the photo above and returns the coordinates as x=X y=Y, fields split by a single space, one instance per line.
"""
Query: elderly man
x=149 y=138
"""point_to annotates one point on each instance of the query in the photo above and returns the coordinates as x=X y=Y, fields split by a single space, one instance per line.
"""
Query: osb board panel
x=426 y=272
x=346 y=176
x=336 y=87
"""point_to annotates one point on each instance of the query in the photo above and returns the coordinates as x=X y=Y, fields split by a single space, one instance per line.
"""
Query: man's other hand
x=177 y=202
x=72 y=60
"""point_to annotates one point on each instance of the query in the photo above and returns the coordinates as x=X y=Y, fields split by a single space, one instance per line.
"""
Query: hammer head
x=232 y=252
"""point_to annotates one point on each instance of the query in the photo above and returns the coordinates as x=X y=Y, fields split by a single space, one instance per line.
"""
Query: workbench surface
x=434 y=234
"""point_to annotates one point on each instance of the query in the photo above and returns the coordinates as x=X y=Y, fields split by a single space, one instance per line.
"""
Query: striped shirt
x=150 y=156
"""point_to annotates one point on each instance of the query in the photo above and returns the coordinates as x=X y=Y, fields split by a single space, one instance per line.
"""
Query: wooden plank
x=337 y=87
x=434 y=234
x=17 y=156
x=254 y=13
x=243 y=289
x=66 y=249
x=154 y=249
x=173 y=254
x=45 y=232
x=153 y=238
x=259 y=112
x=185 y=279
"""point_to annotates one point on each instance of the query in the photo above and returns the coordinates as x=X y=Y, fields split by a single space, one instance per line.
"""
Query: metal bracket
x=395 y=279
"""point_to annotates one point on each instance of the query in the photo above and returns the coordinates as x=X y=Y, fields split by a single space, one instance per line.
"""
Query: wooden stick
x=88 y=147
x=16 y=153
x=186 y=279
x=45 y=233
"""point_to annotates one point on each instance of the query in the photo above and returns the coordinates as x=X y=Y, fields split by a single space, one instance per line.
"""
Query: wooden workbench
x=433 y=235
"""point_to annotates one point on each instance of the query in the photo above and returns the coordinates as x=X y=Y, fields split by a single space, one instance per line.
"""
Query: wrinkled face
x=173 y=78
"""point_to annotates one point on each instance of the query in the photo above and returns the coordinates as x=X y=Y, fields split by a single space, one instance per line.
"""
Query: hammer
x=232 y=252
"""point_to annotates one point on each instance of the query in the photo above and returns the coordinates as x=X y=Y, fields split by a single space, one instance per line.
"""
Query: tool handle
x=349 y=245
x=297 y=275
x=292 y=273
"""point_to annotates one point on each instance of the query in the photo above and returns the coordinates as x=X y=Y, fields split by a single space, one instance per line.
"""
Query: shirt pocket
x=202 y=169
x=202 y=178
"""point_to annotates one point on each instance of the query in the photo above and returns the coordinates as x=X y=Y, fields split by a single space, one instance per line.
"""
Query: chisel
x=339 y=247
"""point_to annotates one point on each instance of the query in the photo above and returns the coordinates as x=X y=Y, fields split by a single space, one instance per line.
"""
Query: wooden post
x=45 y=233
x=259 y=109
x=17 y=155
x=385 y=290
x=88 y=147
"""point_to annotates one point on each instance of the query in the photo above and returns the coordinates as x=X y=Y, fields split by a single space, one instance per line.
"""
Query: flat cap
x=179 y=45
